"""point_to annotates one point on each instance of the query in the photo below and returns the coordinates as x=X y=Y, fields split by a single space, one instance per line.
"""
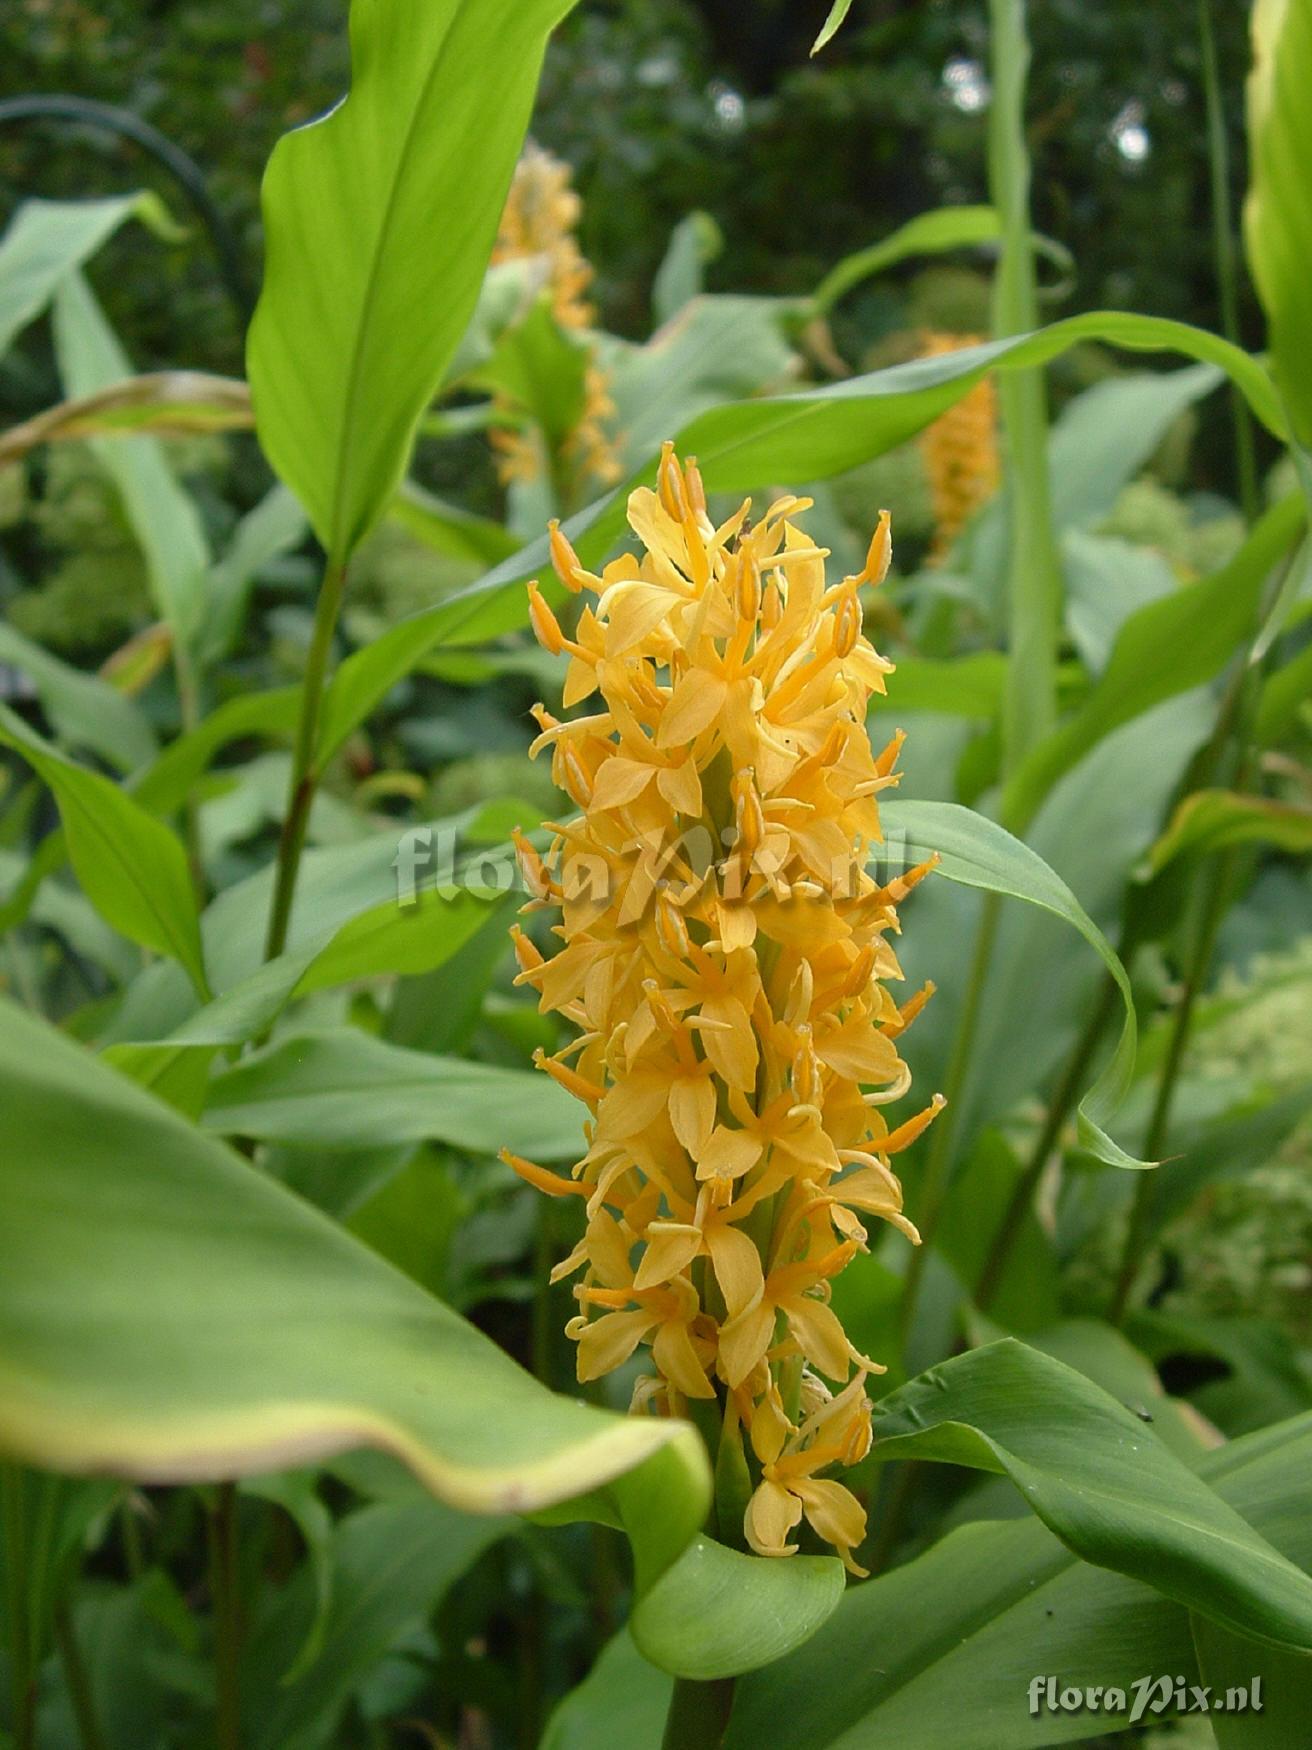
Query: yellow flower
x=541 y=216
x=723 y=953
x=960 y=449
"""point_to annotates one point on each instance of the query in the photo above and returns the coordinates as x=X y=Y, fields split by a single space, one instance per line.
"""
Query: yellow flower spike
x=539 y=221
x=960 y=449
x=724 y=959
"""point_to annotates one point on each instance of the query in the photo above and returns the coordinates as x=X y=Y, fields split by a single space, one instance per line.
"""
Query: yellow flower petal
x=771 y=1514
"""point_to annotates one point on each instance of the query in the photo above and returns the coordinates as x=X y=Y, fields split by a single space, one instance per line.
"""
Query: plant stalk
x=305 y=774
x=22 y=1677
x=1230 y=744
x=1226 y=257
x=227 y=1617
x=699 y=1713
x=75 y=1676
x=934 y=1185
x=1034 y=567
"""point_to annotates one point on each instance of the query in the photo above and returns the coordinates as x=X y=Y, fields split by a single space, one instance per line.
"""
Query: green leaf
x=717 y=349
x=379 y=220
x=1278 y=213
x=803 y=436
x=541 y=368
x=84 y=710
x=346 y=1090
x=169 y=403
x=1101 y=1480
x=46 y=241
x=961 y=686
x=829 y=29
x=446 y=528
x=169 y=1312
x=1260 y=1695
x=390 y=1564
x=926 y=234
x=1209 y=819
x=717 y=1612
x=622 y=1700
x=985 y=1611
x=694 y=242
x=1163 y=649
x=164 y=520
x=132 y=868
x=1284 y=696
x=1106 y=435
x=977 y=852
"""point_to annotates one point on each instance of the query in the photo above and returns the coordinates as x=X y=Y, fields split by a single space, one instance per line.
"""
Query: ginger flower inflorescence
x=540 y=219
x=725 y=956
x=960 y=449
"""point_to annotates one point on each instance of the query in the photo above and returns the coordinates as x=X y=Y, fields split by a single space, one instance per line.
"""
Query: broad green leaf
x=1101 y=1353
x=1163 y=649
x=803 y=436
x=1107 y=580
x=390 y=1564
x=717 y=1612
x=1209 y=819
x=983 y=1613
x=1265 y=1378
x=47 y=240
x=169 y=1312
x=1107 y=434
x=132 y=868
x=84 y=710
x=622 y=1700
x=977 y=852
x=346 y=1090
x=1259 y=1696
x=962 y=686
x=164 y=520
x=717 y=349
x=379 y=220
x=541 y=368
x=1101 y=1480
x=1278 y=213
x=446 y=528
x=164 y=784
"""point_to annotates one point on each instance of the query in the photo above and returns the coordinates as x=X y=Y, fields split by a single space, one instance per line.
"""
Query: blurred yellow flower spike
x=540 y=219
x=960 y=449
x=725 y=955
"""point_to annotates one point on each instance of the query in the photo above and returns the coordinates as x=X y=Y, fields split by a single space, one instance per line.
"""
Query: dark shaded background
x=664 y=105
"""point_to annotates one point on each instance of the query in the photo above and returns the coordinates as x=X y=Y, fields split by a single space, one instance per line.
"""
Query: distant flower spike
x=724 y=957
x=540 y=218
x=960 y=449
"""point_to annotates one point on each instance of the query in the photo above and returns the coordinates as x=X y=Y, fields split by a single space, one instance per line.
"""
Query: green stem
x=227 y=1617
x=1034 y=568
x=699 y=1713
x=1226 y=256
x=1214 y=905
x=75 y=1676
x=1228 y=754
x=1064 y=1097
x=305 y=774
x=934 y=1185
x=22 y=1677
